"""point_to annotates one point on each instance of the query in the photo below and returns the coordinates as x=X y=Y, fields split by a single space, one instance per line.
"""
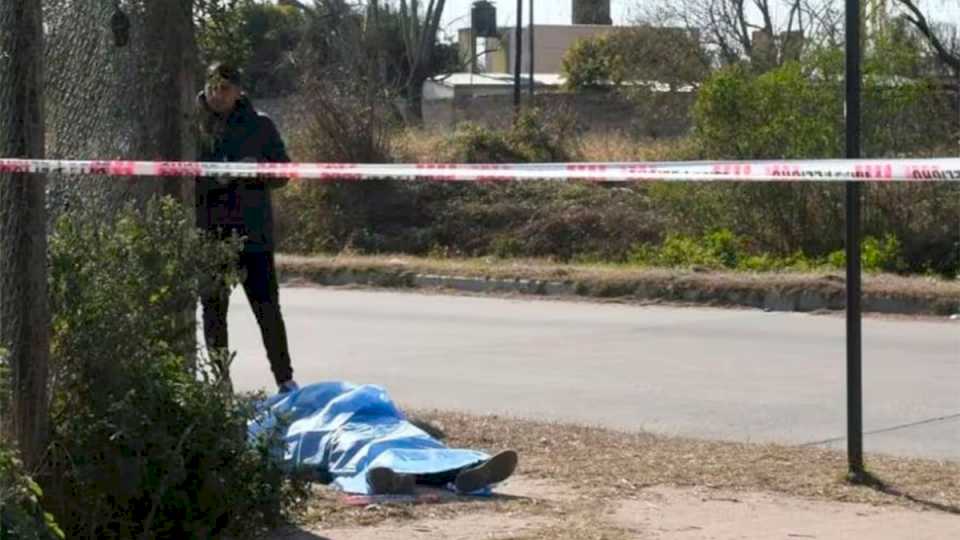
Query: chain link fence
x=106 y=101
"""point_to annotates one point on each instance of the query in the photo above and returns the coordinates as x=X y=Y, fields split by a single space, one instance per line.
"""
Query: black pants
x=260 y=284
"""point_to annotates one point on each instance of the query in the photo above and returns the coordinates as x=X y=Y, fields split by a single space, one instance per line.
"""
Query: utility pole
x=533 y=55
x=518 y=57
x=854 y=315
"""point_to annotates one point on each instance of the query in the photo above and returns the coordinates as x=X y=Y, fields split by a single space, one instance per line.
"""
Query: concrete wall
x=667 y=116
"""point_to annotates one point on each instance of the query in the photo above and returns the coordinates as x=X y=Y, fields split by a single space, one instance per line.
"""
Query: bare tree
x=419 y=28
x=748 y=30
x=947 y=49
x=419 y=40
x=24 y=310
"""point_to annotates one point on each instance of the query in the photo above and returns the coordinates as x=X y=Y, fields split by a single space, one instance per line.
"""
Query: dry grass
x=603 y=467
x=609 y=464
x=428 y=146
x=612 y=147
x=614 y=281
x=421 y=146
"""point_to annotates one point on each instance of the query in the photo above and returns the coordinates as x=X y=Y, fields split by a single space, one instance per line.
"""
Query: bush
x=722 y=249
x=476 y=144
x=719 y=249
x=21 y=514
x=417 y=217
x=795 y=111
x=534 y=138
x=145 y=442
x=632 y=55
x=876 y=255
x=589 y=64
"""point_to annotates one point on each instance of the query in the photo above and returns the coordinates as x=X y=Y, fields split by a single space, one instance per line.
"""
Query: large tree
x=419 y=40
x=639 y=54
x=171 y=88
x=24 y=311
x=764 y=33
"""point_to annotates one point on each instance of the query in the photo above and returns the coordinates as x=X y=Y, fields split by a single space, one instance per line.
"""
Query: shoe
x=384 y=481
x=493 y=471
x=288 y=386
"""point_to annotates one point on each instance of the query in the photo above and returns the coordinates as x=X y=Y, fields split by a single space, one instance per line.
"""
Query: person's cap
x=221 y=71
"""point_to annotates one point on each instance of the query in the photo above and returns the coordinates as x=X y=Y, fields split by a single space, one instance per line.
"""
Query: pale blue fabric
x=345 y=430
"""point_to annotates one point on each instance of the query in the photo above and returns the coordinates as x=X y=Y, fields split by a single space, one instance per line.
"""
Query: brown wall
x=667 y=116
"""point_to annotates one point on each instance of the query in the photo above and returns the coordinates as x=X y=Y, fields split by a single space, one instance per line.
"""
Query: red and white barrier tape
x=940 y=170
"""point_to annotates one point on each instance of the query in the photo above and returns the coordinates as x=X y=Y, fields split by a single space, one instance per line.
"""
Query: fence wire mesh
x=100 y=97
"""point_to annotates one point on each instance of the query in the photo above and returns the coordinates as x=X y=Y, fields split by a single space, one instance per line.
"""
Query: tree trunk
x=415 y=100
x=171 y=104
x=170 y=93
x=24 y=308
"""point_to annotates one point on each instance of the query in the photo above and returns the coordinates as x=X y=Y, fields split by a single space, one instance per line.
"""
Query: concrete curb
x=785 y=298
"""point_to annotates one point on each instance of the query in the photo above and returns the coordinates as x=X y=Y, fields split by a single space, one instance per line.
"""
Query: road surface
x=735 y=375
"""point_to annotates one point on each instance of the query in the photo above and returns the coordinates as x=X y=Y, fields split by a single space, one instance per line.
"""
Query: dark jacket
x=239 y=205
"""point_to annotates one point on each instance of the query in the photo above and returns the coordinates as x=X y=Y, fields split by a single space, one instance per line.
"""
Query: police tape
x=900 y=170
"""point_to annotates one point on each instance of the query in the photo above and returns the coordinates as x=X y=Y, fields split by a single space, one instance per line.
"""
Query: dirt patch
x=463 y=527
x=772 y=291
x=579 y=483
x=609 y=464
x=669 y=513
x=521 y=506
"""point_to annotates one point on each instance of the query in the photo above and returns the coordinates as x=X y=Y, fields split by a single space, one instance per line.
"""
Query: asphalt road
x=708 y=373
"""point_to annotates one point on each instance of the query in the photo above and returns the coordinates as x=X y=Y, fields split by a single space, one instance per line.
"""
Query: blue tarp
x=344 y=430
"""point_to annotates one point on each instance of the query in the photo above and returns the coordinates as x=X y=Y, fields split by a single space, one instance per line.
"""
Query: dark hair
x=227 y=72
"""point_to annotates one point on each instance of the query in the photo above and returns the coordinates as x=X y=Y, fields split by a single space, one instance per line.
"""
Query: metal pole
x=518 y=57
x=533 y=55
x=473 y=50
x=854 y=326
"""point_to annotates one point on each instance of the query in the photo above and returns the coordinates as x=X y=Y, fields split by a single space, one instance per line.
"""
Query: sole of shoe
x=493 y=471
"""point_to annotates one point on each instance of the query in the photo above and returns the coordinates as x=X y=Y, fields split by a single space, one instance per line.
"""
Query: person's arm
x=274 y=151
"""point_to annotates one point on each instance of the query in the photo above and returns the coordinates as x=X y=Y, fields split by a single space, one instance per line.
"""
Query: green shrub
x=723 y=249
x=146 y=441
x=21 y=514
x=719 y=249
x=476 y=144
x=589 y=64
x=416 y=217
x=533 y=138
x=725 y=246
x=795 y=112
x=876 y=255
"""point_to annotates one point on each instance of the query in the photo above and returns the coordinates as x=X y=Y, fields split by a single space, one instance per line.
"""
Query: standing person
x=230 y=129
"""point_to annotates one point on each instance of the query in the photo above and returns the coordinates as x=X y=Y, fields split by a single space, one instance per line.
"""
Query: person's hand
x=253 y=180
x=227 y=180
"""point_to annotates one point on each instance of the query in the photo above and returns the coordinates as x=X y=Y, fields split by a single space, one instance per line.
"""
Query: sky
x=457 y=12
